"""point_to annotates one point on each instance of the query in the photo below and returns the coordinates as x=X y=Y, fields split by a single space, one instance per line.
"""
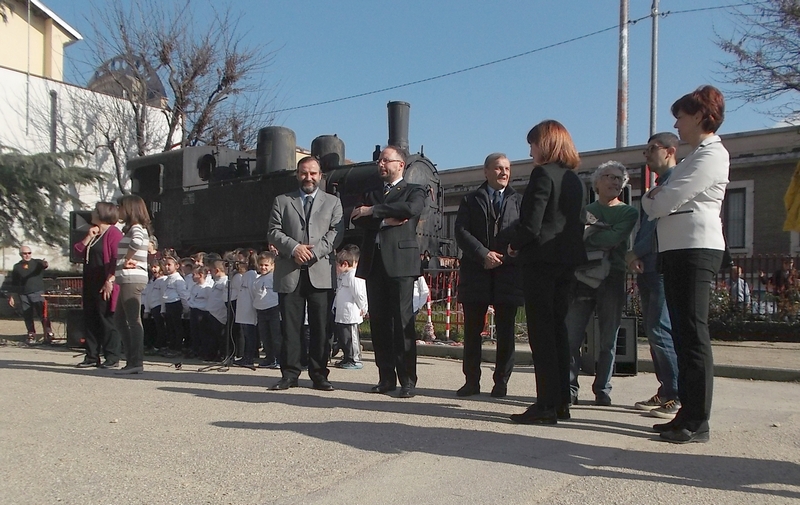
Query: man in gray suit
x=305 y=227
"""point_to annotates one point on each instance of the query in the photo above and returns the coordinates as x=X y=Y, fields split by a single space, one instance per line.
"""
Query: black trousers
x=172 y=315
x=293 y=306
x=269 y=331
x=33 y=303
x=688 y=274
x=547 y=288
x=198 y=324
x=504 y=317
x=391 y=320
x=101 y=334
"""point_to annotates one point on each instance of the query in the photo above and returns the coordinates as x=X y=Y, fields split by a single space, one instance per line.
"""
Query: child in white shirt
x=246 y=313
x=350 y=307
x=198 y=307
x=268 y=314
x=174 y=302
x=214 y=339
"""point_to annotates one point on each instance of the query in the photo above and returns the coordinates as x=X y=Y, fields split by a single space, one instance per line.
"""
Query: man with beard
x=305 y=227
x=390 y=262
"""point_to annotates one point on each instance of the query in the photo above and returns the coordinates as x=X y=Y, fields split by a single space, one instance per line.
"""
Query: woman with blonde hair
x=131 y=276
x=549 y=243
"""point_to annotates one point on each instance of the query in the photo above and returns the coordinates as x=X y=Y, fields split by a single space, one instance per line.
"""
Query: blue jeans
x=659 y=333
x=607 y=300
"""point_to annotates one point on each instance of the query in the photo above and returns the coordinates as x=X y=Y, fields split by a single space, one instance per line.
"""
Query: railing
x=766 y=303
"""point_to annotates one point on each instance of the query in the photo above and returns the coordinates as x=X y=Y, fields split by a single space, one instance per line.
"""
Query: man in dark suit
x=488 y=276
x=305 y=227
x=390 y=262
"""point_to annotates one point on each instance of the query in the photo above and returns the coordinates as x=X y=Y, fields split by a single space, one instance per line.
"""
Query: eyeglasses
x=612 y=177
x=651 y=148
x=25 y=253
x=386 y=161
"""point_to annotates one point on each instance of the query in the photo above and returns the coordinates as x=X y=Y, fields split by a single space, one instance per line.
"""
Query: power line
x=501 y=60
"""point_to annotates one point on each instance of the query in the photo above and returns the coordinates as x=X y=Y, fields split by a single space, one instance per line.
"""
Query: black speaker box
x=626 y=360
x=79 y=223
x=76 y=329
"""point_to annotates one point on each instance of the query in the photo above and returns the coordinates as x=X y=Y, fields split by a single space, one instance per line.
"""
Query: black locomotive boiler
x=215 y=199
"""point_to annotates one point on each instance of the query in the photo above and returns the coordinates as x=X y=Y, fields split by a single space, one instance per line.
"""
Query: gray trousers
x=128 y=320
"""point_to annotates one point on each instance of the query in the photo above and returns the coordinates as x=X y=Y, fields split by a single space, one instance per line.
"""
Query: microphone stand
x=228 y=361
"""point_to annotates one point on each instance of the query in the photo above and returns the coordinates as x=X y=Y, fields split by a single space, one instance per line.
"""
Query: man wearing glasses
x=660 y=157
x=27 y=282
x=390 y=262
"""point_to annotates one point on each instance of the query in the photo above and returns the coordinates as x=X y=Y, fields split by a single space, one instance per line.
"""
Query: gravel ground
x=170 y=436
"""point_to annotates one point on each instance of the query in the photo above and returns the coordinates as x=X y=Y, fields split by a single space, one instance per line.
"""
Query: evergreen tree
x=35 y=190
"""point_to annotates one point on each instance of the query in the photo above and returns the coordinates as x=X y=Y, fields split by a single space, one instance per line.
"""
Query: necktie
x=496 y=201
x=386 y=188
x=307 y=209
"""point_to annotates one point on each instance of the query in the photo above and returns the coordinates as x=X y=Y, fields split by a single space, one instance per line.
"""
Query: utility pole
x=622 y=84
x=654 y=68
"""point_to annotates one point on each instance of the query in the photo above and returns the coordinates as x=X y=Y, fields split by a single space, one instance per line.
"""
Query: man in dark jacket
x=27 y=282
x=486 y=217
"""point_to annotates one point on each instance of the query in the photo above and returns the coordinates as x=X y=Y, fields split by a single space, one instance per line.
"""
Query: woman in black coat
x=488 y=276
x=549 y=244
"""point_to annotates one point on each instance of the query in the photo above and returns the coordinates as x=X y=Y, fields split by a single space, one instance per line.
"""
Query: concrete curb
x=523 y=357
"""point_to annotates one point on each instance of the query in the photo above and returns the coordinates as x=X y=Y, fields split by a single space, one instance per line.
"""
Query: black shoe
x=562 y=413
x=383 y=387
x=602 y=400
x=469 y=389
x=535 y=416
x=284 y=384
x=573 y=400
x=499 y=391
x=662 y=427
x=130 y=370
x=110 y=364
x=684 y=436
x=88 y=363
x=323 y=385
x=407 y=392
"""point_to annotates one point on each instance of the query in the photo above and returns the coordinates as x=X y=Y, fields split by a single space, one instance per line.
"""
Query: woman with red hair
x=690 y=249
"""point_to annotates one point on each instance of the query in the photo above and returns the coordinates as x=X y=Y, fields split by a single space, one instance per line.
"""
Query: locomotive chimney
x=398 y=124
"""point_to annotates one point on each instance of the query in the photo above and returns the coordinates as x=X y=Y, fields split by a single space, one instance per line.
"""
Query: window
x=733 y=217
x=737 y=216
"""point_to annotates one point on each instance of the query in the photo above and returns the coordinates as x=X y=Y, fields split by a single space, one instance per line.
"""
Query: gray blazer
x=286 y=230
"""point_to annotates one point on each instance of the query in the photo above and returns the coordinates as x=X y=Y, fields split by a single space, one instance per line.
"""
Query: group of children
x=187 y=302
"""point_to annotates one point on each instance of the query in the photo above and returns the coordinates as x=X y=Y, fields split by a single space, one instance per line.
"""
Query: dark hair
x=555 y=143
x=350 y=253
x=107 y=212
x=707 y=100
x=198 y=256
x=200 y=269
x=400 y=152
x=266 y=255
x=306 y=159
x=133 y=210
x=665 y=139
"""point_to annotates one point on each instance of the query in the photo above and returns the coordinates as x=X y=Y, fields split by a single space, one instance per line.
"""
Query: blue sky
x=327 y=50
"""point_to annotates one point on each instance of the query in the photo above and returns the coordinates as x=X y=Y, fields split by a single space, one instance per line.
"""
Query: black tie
x=386 y=188
x=496 y=199
x=307 y=209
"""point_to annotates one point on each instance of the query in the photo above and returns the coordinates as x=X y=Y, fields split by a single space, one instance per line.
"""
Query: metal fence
x=766 y=301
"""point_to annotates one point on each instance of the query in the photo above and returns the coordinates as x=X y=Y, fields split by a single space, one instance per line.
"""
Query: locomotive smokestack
x=398 y=124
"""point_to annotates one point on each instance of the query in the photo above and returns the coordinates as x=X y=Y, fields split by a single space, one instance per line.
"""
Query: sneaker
x=668 y=410
x=48 y=338
x=352 y=366
x=652 y=403
x=602 y=400
x=31 y=338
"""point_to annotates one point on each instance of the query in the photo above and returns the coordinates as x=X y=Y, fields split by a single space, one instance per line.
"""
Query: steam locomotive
x=214 y=199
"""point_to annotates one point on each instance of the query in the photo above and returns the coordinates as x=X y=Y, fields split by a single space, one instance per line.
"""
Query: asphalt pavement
x=169 y=436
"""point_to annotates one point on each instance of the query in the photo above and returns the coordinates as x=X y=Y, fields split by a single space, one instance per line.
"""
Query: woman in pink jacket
x=99 y=251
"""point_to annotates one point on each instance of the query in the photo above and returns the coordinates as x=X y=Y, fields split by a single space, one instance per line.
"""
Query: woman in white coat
x=690 y=249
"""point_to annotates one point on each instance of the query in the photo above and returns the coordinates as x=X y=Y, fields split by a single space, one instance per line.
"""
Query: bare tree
x=206 y=83
x=765 y=50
